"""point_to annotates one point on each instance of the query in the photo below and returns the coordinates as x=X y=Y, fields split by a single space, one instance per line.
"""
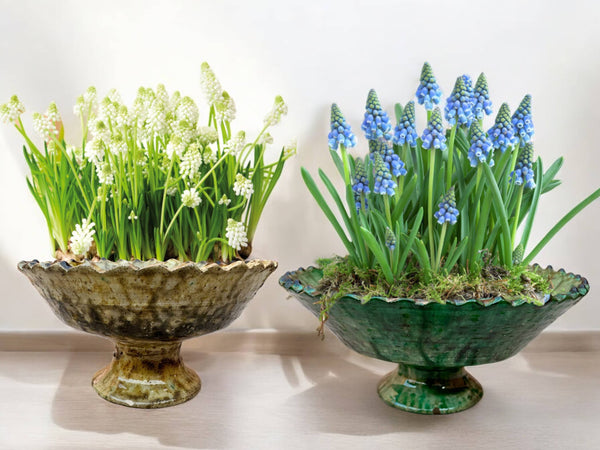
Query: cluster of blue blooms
x=390 y=238
x=523 y=173
x=360 y=184
x=405 y=132
x=481 y=146
x=434 y=135
x=447 y=211
x=376 y=124
x=521 y=120
x=466 y=106
x=459 y=106
x=428 y=92
x=481 y=98
x=341 y=133
x=384 y=183
x=502 y=133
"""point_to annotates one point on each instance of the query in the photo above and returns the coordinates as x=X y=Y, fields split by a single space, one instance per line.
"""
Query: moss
x=340 y=278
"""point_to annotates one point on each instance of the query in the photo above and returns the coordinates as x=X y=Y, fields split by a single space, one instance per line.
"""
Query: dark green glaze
x=147 y=308
x=430 y=338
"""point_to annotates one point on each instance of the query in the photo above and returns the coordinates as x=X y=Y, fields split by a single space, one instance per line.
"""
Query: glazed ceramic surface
x=147 y=308
x=432 y=341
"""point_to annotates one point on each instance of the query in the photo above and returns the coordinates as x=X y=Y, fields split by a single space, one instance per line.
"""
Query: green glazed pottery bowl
x=147 y=308
x=433 y=342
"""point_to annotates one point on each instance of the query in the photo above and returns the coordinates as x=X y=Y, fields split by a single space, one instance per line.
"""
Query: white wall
x=313 y=53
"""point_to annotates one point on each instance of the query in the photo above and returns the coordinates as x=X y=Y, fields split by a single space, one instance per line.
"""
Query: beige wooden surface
x=288 y=391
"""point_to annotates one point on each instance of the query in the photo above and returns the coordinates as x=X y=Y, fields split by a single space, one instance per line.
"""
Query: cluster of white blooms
x=132 y=216
x=243 y=186
x=187 y=110
x=236 y=234
x=47 y=125
x=94 y=150
x=225 y=108
x=190 y=162
x=86 y=103
x=237 y=143
x=210 y=85
x=190 y=198
x=172 y=191
x=279 y=109
x=224 y=200
x=82 y=237
x=105 y=173
x=10 y=112
x=265 y=138
x=289 y=150
x=207 y=135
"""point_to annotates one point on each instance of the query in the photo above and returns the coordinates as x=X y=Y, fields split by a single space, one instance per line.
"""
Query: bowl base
x=430 y=390
x=146 y=374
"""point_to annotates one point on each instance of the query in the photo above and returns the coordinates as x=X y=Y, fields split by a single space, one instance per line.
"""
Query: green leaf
x=379 y=254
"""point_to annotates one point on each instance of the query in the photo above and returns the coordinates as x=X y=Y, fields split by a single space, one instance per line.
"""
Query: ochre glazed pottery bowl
x=147 y=308
x=433 y=342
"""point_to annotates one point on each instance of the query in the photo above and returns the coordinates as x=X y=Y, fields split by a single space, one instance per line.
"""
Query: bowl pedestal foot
x=429 y=390
x=146 y=374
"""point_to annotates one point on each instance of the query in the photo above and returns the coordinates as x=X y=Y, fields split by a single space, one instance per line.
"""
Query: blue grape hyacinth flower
x=523 y=173
x=502 y=132
x=376 y=123
x=360 y=184
x=428 y=93
x=482 y=105
x=481 y=146
x=459 y=106
x=447 y=211
x=405 y=132
x=434 y=135
x=390 y=238
x=384 y=184
x=522 y=121
x=394 y=163
x=341 y=132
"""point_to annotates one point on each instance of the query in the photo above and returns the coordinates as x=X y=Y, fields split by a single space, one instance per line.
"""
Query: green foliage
x=148 y=180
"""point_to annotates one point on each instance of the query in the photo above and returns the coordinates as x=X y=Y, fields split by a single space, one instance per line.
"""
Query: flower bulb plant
x=151 y=217
x=149 y=179
x=436 y=223
x=444 y=214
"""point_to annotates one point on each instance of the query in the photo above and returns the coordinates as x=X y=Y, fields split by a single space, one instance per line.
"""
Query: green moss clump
x=341 y=278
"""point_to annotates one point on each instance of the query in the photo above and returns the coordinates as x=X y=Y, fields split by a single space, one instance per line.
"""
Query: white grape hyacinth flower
x=243 y=186
x=224 y=200
x=237 y=143
x=289 y=150
x=225 y=108
x=10 y=112
x=279 y=109
x=210 y=85
x=236 y=234
x=82 y=237
x=190 y=198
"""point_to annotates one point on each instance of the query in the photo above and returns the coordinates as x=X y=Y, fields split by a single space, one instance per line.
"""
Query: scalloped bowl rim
x=290 y=282
x=105 y=266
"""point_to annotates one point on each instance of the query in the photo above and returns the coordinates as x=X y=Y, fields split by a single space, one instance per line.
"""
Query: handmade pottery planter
x=433 y=342
x=147 y=308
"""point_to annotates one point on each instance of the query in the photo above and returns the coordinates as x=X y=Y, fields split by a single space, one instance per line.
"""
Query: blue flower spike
x=523 y=173
x=459 y=106
x=447 y=212
x=434 y=135
x=405 y=132
x=376 y=124
x=384 y=184
x=360 y=184
x=391 y=159
x=341 y=133
x=482 y=105
x=481 y=146
x=390 y=239
x=428 y=92
x=502 y=133
x=522 y=121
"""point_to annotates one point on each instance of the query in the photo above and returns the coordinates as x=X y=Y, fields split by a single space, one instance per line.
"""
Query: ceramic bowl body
x=431 y=341
x=147 y=308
